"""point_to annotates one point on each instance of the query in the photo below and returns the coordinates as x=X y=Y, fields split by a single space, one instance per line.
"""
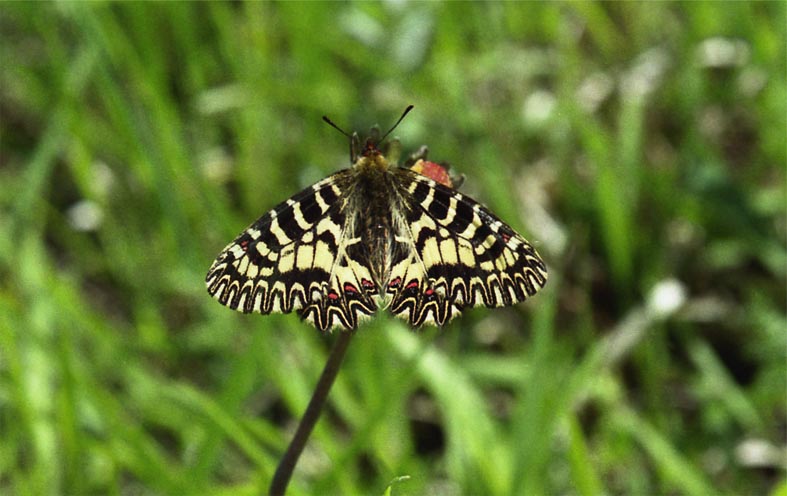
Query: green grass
x=637 y=144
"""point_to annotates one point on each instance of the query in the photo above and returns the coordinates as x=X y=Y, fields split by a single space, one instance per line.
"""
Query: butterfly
x=375 y=236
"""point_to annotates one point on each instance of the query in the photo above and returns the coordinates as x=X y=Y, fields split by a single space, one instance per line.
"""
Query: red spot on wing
x=395 y=282
x=429 y=292
x=350 y=289
x=367 y=284
x=412 y=284
x=333 y=296
x=434 y=171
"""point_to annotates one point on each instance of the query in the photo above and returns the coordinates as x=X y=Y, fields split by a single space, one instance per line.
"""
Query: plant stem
x=287 y=464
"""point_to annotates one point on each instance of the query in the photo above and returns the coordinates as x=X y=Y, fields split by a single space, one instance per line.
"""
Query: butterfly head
x=369 y=155
x=371 y=147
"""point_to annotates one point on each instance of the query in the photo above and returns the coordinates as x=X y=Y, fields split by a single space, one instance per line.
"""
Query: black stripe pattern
x=376 y=236
x=462 y=256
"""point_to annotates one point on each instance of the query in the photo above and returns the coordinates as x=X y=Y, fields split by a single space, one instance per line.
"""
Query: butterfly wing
x=293 y=259
x=459 y=255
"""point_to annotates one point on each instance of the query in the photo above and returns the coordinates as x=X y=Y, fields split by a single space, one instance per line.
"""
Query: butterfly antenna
x=406 y=111
x=353 y=138
x=330 y=122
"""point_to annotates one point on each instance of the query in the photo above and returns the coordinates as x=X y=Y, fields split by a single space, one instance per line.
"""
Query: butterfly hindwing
x=460 y=255
x=292 y=259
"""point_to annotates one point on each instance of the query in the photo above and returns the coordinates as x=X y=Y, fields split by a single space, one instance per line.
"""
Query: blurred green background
x=640 y=146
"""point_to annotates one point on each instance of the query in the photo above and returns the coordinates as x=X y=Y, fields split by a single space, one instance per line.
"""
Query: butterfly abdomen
x=373 y=225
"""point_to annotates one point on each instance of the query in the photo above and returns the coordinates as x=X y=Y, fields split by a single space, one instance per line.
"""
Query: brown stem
x=287 y=464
